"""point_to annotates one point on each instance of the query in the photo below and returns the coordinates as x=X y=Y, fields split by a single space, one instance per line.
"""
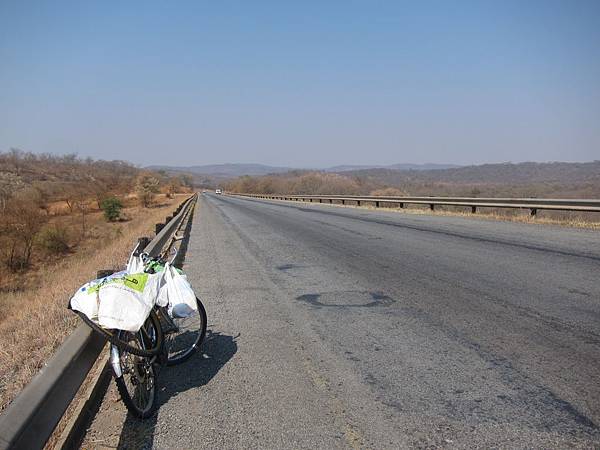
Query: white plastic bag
x=135 y=264
x=121 y=301
x=180 y=295
x=86 y=299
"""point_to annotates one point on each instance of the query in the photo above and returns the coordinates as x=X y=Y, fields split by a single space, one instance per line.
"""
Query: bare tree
x=83 y=206
x=15 y=158
x=147 y=187
x=9 y=184
x=20 y=225
x=173 y=186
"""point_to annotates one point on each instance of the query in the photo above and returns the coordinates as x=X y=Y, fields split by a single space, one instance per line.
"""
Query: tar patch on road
x=285 y=267
x=346 y=299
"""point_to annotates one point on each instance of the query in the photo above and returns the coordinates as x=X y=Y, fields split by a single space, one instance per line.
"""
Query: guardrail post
x=142 y=243
x=105 y=273
x=330 y=200
x=473 y=209
x=533 y=212
x=377 y=204
x=431 y=206
x=343 y=202
x=320 y=200
x=311 y=200
x=357 y=202
x=401 y=205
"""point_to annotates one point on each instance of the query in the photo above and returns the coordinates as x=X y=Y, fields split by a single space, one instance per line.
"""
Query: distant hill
x=503 y=173
x=223 y=171
x=226 y=170
x=552 y=179
x=348 y=168
x=529 y=179
x=423 y=166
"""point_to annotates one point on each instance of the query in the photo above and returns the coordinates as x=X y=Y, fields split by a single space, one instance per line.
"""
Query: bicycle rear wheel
x=137 y=382
x=183 y=336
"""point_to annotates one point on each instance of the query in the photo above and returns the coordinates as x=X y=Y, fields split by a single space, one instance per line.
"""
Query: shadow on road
x=216 y=351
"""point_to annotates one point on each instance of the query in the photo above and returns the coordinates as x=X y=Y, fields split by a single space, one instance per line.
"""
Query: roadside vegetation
x=541 y=180
x=544 y=180
x=62 y=218
x=47 y=205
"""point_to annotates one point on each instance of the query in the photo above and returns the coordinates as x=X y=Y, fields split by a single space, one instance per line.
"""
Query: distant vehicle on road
x=218 y=191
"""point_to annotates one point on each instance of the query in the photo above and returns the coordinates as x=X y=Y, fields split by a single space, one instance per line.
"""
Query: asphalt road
x=337 y=327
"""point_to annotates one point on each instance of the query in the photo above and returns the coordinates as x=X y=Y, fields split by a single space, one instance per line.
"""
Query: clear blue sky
x=302 y=83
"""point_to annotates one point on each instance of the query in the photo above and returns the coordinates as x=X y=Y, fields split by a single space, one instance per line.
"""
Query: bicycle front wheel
x=137 y=381
x=183 y=336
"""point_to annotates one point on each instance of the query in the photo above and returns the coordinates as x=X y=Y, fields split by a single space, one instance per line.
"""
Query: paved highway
x=339 y=327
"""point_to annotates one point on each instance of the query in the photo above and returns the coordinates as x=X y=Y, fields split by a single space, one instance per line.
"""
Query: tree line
x=543 y=180
x=33 y=186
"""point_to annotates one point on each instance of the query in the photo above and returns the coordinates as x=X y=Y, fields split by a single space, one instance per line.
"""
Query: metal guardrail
x=164 y=232
x=533 y=204
x=31 y=418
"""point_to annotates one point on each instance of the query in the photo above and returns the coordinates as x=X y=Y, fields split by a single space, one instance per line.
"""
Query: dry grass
x=34 y=321
x=511 y=215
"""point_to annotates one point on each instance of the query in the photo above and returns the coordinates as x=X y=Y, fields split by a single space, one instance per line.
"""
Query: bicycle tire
x=140 y=398
x=125 y=346
x=185 y=355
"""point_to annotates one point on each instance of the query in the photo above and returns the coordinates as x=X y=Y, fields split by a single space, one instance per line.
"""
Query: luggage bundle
x=123 y=300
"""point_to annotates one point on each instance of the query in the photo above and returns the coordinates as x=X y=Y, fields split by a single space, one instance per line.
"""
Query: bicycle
x=136 y=358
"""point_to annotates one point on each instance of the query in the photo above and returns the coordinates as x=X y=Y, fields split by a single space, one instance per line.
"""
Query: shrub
x=147 y=186
x=54 y=239
x=112 y=208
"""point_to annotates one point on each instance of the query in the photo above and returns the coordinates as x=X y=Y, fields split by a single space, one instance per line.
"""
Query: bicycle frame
x=114 y=350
